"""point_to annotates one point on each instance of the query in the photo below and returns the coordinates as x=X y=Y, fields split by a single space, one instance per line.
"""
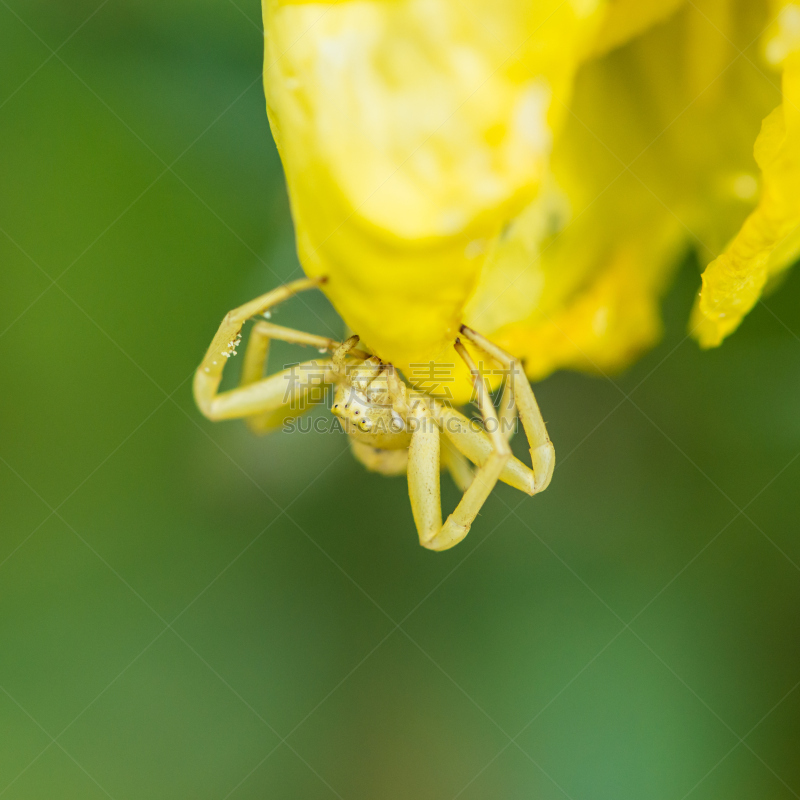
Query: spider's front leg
x=543 y=454
x=253 y=367
x=265 y=401
x=424 y=470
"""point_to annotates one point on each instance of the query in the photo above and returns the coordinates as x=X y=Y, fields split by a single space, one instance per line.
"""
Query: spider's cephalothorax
x=370 y=400
x=393 y=428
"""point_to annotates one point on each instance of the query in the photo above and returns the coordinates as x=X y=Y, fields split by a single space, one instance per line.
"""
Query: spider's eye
x=356 y=413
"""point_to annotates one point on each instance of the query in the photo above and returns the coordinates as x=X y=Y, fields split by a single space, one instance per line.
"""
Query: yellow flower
x=534 y=168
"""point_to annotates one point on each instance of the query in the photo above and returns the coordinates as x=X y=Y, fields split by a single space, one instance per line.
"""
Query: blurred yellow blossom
x=535 y=168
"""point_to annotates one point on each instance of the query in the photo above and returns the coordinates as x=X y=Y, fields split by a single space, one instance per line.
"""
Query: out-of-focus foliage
x=283 y=624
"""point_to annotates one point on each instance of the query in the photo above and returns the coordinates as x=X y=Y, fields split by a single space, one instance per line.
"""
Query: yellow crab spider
x=393 y=427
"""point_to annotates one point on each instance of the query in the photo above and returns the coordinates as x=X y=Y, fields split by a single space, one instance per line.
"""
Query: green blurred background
x=187 y=611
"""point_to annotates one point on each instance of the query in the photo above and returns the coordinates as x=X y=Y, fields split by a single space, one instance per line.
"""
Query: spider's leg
x=253 y=367
x=268 y=330
x=472 y=441
x=543 y=456
x=259 y=397
x=507 y=411
x=282 y=393
x=223 y=345
x=457 y=464
x=423 y=471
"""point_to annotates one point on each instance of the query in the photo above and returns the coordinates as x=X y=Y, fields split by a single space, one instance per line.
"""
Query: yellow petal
x=604 y=326
x=768 y=241
x=440 y=170
x=410 y=131
x=655 y=156
x=626 y=19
